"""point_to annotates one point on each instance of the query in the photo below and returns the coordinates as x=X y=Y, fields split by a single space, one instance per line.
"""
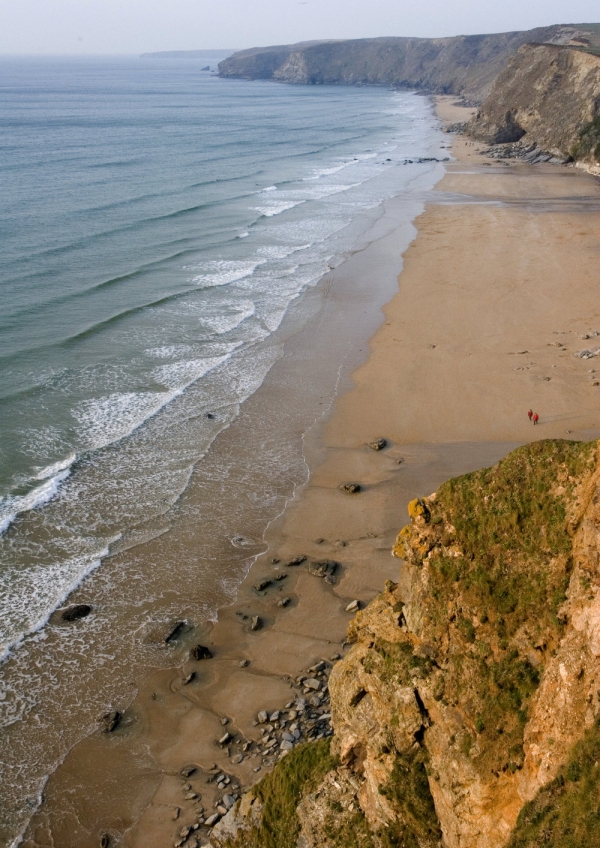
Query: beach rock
x=225 y=739
x=281 y=576
x=190 y=796
x=244 y=663
x=274 y=560
x=262 y=717
x=283 y=602
x=188 y=771
x=212 y=820
x=209 y=415
x=176 y=813
x=224 y=721
x=323 y=567
x=237 y=759
x=200 y=652
x=105 y=840
x=173 y=631
x=256 y=623
x=110 y=721
x=75 y=612
x=312 y=683
x=286 y=746
x=378 y=444
x=353 y=606
x=298 y=560
x=189 y=678
x=350 y=488
x=228 y=801
x=274 y=716
x=262 y=585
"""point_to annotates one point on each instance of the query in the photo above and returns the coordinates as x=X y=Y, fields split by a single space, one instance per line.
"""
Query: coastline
x=441 y=384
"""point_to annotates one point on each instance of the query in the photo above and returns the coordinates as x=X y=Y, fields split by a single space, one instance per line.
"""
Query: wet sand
x=494 y=295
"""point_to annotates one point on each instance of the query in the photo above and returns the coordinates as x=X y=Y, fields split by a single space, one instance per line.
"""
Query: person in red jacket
x=536 y=418
x=530 y=414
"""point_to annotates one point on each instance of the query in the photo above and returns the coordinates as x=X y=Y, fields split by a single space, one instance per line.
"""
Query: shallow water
x=158 y=223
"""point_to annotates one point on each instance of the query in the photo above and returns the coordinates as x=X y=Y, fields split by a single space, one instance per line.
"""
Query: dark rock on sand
x=173 y=631
x=75 y=612
x=262 y=585
x=188 y=771
x=323 y=568
x=256 y=623
x=297 y=560
x=105 y=840
x=189 y=678
x=111 y=720
x=350 y=488
x=378 y=444
x=200 y=652
x=283 y=602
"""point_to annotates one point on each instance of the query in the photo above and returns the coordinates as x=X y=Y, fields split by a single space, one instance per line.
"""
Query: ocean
x=158 y=225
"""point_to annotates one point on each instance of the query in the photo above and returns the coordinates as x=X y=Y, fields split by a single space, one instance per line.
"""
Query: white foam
x=243 y=235
x=230 y=316
x=14 y=505
x=51 y=470
x=221 y=272
x=277 y=208
x=33 y=594
x=179 y=375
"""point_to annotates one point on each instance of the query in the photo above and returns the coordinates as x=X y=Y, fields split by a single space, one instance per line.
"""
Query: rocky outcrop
x=463 y=65
x=467 y=712
x=548 y=98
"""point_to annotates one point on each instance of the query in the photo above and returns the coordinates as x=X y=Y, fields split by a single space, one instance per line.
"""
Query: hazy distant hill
x=188 y=54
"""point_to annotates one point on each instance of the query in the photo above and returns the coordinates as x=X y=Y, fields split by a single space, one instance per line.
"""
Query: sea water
x=156 y=224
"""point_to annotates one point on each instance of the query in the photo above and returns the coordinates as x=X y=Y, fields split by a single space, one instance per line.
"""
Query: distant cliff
x=548 y=96
x=467 y=712
x=463 y=65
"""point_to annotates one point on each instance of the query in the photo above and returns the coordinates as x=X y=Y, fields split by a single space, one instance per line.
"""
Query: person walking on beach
x=530 y=414
x=536 y=418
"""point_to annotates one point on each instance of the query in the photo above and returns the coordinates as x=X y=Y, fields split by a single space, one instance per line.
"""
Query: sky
x=137 y=26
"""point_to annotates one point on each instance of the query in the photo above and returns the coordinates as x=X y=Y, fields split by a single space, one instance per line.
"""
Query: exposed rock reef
x=463 y=65
x=547 y=100
x=466 y=714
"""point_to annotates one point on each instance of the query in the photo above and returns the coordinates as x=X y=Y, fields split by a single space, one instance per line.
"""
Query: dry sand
x=497 y=288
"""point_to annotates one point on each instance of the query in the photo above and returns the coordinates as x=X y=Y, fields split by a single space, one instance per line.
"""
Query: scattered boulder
x=350 y=488
x=256 y=623
x=173 y=631
x=378 y=444
x=283 y=602
x=312 y=683
x=225 y=739
x=353 y=606
x=262 y=584
x=262 y=717
x=188 y=771
x=105 y=840
x=244 y=663
x=323 y=568
x=298 y=560
x=75 y=612
x=189 y=678
x=200 y=652
x=212 y=820
x=111 y=720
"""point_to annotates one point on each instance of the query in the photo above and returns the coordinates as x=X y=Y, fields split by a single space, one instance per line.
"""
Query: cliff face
x=548 y=96
x=465 y=65
x=467 y=712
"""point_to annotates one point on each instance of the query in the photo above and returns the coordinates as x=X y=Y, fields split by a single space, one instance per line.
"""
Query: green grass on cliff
x=417 y=824
x=280 y=792
x=566 y=813
x=499 y=601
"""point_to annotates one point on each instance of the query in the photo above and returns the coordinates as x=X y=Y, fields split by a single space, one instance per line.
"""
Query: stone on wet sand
x=188 y=771
x=200 y=652
x=212 y=820
x=75 y=612
x=262 y=717
x=256 y=623
x=323 y=568
x=298 y=560
x=350 y=488
x=189 y=678
x=262 y=584
x=283 y=602
x=110 y=721
x=353 y=606
x=378 y=444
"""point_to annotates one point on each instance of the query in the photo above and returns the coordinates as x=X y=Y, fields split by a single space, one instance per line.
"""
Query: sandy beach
x=495 y=296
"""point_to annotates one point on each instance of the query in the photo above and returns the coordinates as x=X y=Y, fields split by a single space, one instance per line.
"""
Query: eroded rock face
x=548 y=95
x=470 y=681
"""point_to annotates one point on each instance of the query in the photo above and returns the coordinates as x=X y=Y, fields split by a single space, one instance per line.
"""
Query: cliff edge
x=464 y=65
x=466 y=714
x=547 y=97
